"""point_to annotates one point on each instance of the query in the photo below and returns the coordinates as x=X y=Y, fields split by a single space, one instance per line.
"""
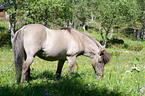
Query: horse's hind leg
x=28 y=75
x=59 y=68
x=25 y=67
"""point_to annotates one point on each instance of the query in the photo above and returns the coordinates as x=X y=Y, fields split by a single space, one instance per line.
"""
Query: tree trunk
x=134 y=32
x=107 y=32
x=12 y=24
x=138 y=34
x=45 y=17
x=111 y=33
x=84 y=27
x=143 y=25
x=70 y=23
x=102 y=37
x=107 y=29
x=92 y=16
x=75 y=25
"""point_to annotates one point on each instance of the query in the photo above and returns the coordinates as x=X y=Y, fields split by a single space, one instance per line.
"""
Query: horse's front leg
x=71 y=60
x=59 y=68
x=98 y=65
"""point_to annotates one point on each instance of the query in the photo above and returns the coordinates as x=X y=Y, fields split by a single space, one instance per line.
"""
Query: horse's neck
x=91 y=47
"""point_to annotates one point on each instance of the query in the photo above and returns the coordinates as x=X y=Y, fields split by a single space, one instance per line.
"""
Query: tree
x=15 y=6
x=141 y=3
x=66 y=12
x=46 y=12
x=113 y=12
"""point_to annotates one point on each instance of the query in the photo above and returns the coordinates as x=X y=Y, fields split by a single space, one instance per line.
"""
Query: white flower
x=135 y=69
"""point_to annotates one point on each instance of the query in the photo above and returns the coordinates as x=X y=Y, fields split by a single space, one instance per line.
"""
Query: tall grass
x=119 y=79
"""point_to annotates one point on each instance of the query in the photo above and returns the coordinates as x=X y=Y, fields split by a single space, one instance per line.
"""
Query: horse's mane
x=82 y=33
x=94 y=40
x=66 y=28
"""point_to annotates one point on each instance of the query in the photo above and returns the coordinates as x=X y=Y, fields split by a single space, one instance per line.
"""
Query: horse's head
x=99 y=62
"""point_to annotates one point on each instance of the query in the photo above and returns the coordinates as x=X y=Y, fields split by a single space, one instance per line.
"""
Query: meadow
x=124 y=75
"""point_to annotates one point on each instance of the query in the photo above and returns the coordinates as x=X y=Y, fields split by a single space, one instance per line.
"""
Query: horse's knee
x=71 y=61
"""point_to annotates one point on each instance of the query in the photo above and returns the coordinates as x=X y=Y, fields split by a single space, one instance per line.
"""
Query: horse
x=51 y=45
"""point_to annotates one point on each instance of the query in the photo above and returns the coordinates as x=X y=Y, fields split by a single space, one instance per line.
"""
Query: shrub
x=115 y=42
x=135 y=47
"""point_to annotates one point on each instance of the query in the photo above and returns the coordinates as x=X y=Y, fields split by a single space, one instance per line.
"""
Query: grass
x=117 y=81
x=119 y=77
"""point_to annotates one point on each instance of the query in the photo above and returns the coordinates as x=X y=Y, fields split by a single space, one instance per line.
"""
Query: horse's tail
x=19 y=53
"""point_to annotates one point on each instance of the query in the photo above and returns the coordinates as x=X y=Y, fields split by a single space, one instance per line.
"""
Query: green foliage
x=136 y=47
x=5 y=36
x=116 y=12
x=59 y=13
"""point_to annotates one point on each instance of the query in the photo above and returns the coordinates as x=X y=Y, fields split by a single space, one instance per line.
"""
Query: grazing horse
x=64 y=44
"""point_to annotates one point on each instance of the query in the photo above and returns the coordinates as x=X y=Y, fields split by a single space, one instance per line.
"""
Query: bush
x=135 y=47
x=5 y=36
x=115 y=42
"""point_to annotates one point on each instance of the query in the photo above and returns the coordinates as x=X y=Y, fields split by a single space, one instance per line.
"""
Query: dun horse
x=65 y=44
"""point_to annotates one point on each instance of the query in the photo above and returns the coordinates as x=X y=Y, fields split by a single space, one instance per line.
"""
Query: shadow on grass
x=45 y=74
x=64 y=87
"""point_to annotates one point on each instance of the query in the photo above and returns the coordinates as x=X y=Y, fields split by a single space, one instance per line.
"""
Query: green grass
x=116 y=81
x=119 y=79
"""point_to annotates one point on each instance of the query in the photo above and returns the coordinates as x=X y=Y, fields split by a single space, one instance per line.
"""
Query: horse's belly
x=51 y=56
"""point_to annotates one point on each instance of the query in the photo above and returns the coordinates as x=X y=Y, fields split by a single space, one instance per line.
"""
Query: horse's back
x=35 y=30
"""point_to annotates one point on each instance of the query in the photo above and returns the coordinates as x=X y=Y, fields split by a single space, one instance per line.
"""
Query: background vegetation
x=102 y=15
x=119 y=22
